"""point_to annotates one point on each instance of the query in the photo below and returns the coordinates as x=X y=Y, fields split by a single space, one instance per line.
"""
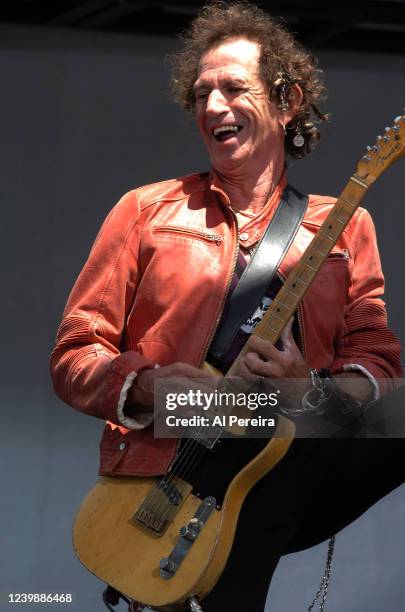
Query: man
x=148 y=301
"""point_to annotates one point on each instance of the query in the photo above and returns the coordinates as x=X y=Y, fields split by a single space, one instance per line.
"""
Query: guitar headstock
x=387 y=149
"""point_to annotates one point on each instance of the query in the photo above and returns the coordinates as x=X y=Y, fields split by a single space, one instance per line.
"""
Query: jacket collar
x=252 y=230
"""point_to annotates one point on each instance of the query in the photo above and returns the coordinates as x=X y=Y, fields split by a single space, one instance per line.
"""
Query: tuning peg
x=379 y=137
x=387 y=129
x=369 y=149
x=376 y=148
x=366 y=158
x=398 y=119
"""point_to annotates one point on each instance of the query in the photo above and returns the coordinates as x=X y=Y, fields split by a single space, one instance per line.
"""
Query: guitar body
x=121 y=552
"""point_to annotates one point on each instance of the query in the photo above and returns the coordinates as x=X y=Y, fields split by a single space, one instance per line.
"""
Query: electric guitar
x=164 y=541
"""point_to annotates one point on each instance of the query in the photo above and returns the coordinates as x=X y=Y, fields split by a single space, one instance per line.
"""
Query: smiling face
x=241 y=127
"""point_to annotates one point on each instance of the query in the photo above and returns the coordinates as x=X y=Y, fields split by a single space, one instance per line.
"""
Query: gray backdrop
x=84 y=118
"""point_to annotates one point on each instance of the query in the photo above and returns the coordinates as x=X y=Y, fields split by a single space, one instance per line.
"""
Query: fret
x=322 y=253
x=328 y=237
x=284 y=306
x=319 y=238
x=289 y=301
x=304 y=275
x=351 y=204
x=347 y=209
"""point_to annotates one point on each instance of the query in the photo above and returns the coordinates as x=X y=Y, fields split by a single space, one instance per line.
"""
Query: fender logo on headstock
x=396 y=147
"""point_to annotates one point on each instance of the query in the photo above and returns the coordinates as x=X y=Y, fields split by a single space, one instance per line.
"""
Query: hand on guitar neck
x=263 y=359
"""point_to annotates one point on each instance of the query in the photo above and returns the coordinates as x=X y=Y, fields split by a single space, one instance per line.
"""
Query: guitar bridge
x=161 y=504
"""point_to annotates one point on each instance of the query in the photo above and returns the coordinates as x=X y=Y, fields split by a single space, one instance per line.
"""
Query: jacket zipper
x=343 y=254
x=187 y=231
x=214 y=328
x=235 y=257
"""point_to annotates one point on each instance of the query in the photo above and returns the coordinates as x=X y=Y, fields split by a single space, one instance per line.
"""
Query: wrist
x=139 y=395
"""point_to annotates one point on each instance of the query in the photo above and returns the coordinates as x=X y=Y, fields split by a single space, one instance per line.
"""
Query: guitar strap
x=262 y=267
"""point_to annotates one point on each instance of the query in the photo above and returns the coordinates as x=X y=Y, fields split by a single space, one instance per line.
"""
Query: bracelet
x=316 y=399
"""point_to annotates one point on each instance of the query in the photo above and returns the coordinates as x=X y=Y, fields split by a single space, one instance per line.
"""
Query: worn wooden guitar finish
x=163 y=540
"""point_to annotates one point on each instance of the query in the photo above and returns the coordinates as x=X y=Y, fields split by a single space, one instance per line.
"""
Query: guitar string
x=187 y=458
x=185 y=463
x=168 y=478
x=195 y=453
x=155 y=500
x=191 y=452
x=189 y=465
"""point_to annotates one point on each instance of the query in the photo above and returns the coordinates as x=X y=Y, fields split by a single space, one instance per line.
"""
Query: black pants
x=321 y=486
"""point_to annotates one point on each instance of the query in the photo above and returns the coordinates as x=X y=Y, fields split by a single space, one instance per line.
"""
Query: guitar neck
x=292 y=292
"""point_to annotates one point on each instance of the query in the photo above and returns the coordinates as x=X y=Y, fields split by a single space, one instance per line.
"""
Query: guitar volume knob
x=189 y=533
x=167 y=566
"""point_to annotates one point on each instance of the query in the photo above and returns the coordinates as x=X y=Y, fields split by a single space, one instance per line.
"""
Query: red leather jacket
x=152 y=292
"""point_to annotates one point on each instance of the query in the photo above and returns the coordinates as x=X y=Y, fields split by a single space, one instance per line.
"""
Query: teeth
x=225 y=128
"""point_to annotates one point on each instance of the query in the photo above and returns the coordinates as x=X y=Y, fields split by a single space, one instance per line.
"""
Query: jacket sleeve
x=88 y=370
x=368 y=344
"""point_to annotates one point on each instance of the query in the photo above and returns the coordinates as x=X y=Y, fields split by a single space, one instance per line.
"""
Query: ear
x=295 y=98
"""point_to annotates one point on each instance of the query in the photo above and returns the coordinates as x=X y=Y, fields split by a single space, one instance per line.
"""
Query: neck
x=251 y=193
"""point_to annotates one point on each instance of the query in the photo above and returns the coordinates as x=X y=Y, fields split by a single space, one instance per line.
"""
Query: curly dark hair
x=283 y=62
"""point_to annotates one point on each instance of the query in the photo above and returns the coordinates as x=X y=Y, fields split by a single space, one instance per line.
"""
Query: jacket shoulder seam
x=145 y=202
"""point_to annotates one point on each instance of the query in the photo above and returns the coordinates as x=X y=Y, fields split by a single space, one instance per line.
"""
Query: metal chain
x=323 y=587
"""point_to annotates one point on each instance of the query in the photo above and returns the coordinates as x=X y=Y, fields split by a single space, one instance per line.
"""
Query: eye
x=235 y=88
x=201 y=95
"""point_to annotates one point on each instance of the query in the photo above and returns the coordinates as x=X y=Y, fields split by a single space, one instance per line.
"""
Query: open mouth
x=225 y=132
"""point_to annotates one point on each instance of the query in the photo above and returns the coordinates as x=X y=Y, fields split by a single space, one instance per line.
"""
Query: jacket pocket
x=343 y=255
x=188 y=232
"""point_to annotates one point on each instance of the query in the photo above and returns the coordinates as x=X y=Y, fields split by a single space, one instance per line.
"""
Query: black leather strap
x=262 y=267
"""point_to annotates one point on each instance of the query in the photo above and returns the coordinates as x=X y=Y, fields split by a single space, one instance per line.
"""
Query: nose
x=216 y=103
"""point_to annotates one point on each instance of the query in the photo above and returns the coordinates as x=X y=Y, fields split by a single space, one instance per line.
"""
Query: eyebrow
x=227 y=80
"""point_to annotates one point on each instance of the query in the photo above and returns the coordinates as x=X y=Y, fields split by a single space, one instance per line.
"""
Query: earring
x=298 y=140
x=284 y=128
x=283 y=106
x=281 y=87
